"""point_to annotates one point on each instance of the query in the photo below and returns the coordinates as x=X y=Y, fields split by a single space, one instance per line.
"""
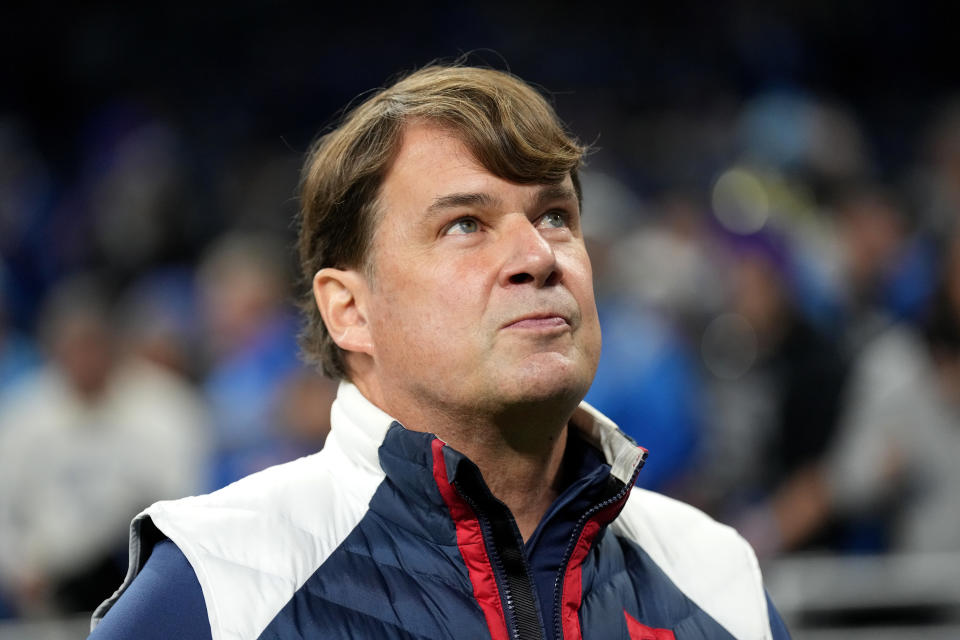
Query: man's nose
x=530 y=258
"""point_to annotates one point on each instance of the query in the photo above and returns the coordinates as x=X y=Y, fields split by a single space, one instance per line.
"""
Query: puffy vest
x=390 y=533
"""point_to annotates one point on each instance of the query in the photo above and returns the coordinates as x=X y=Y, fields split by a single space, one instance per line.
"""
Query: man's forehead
x=430 y=152
x=434 y=163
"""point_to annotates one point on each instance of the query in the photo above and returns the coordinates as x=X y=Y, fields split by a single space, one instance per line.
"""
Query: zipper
x=577 y=530
x=501 y=539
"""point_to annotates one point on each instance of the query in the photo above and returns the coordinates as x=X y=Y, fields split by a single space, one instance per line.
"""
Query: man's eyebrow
x=552 y=192
x=457 y=200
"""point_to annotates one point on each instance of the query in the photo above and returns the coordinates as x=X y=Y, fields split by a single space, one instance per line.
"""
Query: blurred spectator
x=648 y=383
x=85 y=443
x=668 y=265
x=937 y=178
x=651 y=286
x=303 y=417
x=250 y=334
x=158 y=318
x=136 y=189
x=887 y=271
x=896 y=458
x=873 y=241
x=775 y=397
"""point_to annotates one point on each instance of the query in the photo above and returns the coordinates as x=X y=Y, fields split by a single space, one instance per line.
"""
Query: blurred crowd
x=146 y=352
x=782 y=332
x=786 y=342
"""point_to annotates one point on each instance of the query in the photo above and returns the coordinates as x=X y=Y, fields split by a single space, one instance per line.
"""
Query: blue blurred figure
x=648 y=383
x=251 y=340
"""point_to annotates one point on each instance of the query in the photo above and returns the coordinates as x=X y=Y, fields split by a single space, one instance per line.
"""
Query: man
x=464 y=491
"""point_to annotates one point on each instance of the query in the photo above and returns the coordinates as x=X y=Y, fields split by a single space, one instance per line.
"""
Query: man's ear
x=341 y=296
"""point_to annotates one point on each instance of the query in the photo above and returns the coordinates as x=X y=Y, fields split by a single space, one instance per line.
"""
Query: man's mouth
x=539 y=321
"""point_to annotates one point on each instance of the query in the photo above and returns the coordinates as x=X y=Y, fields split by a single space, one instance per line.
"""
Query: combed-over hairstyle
x=511 y=130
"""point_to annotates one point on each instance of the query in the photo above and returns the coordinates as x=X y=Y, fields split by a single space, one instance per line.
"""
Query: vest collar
x=361 y=427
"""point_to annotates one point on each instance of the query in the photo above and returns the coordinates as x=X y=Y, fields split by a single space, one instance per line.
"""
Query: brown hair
x=511 y=130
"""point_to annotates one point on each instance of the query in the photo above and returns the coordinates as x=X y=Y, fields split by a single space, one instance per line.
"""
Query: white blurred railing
x=73 y=628
x=878 y=597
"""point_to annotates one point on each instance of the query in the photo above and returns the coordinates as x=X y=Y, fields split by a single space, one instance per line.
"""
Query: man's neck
x=519 y=452
x=526 y=480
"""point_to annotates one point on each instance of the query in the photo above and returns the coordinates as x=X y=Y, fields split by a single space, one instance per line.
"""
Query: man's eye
x=554 y=219
x=463 y=226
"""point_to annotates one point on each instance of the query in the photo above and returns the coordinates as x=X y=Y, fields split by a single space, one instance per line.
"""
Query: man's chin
x=547 y=378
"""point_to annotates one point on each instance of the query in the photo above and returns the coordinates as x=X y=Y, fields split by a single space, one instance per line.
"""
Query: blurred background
x=771 y=206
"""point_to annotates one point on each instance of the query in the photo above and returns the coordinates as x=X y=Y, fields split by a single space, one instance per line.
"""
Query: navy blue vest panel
x=399 y=574
x=385 y=581
x=165 y=601
x=620 y=577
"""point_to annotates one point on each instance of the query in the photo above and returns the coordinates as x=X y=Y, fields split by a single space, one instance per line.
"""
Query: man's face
x=481 y=296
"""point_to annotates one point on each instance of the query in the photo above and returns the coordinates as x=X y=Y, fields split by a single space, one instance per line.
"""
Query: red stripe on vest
x=472 y=548
x=640 y=631
x=572 y=587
